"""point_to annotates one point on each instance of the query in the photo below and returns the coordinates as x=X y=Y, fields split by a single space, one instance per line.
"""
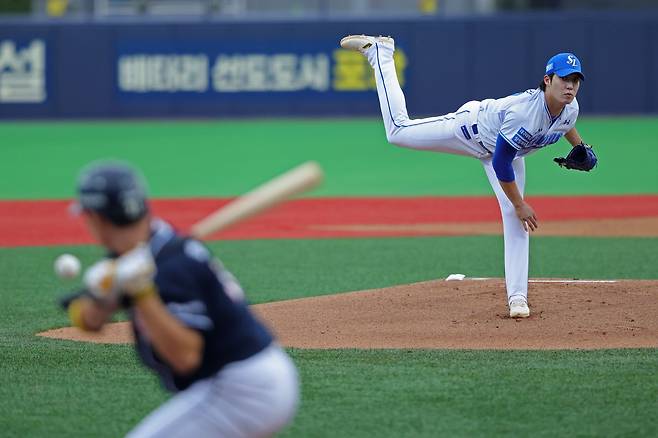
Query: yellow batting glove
x=100 y=281
x=75 y=314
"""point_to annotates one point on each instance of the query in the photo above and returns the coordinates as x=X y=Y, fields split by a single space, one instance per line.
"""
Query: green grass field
x=68 y=389
x=227 y=158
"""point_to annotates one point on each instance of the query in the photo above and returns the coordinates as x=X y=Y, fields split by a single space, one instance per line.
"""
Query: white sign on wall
x=22 y=72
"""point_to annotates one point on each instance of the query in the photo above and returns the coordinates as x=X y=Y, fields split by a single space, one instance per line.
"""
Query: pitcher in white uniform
x=498 y=132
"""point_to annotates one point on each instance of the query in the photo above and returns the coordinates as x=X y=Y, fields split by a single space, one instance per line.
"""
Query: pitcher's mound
x=458 y=314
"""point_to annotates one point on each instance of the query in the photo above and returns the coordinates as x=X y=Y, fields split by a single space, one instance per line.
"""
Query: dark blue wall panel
x=440 y=62
x=620 y=59
x=448 y=62
x=500 y=59
x=652 y=68
x=88 y=77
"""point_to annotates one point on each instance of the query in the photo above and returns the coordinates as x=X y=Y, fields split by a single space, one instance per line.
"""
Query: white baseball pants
x=453 y=133
x=255 y=397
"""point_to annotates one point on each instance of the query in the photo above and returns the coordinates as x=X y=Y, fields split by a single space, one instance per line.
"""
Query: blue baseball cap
x=563 y=64
x=114 y=190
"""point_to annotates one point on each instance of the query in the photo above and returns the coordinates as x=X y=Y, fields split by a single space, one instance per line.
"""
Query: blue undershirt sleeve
x=502 y=160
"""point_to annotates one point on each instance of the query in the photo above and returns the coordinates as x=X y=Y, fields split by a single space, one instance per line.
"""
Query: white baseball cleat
x=363 y=42
x=518 y=308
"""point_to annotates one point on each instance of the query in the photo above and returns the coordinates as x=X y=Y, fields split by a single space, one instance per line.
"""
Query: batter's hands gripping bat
x=295 y=181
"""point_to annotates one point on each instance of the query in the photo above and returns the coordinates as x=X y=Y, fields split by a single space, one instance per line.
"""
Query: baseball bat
x=295 y=181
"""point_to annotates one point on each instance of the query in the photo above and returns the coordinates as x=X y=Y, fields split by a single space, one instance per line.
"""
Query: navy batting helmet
x=114 y=190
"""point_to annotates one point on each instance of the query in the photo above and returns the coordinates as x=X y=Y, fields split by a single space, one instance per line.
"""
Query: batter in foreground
x=191 y=323
x=499 y=133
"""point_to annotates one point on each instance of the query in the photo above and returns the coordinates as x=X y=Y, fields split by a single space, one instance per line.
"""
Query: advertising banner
x=188 y=71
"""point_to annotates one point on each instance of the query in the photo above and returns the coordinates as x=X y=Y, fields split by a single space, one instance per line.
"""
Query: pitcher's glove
x=581 y=157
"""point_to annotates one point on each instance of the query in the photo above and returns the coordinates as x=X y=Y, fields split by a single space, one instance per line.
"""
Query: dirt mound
x=114 y=333
x=472 y=314
x=457 y=314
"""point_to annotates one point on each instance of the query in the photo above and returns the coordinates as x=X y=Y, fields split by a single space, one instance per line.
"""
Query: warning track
x=47 y=222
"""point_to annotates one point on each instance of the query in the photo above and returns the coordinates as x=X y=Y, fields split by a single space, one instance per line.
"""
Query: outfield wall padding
x=294 y=68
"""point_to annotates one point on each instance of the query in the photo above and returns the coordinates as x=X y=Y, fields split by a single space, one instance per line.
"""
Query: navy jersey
x=203 y=296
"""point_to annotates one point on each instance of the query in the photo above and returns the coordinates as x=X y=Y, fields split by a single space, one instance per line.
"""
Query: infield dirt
x=465 y=314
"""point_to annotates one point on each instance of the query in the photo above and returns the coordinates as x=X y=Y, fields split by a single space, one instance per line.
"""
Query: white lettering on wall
x=22 y=72
x=278 y=72
x=163 y=73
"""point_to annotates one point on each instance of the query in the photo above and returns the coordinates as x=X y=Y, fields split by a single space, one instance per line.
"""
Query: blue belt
x=474 y=129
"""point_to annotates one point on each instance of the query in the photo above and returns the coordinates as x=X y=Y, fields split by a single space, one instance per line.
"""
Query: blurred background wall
x=210 y=58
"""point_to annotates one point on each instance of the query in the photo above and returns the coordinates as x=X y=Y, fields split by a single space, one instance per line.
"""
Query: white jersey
x=524 y=121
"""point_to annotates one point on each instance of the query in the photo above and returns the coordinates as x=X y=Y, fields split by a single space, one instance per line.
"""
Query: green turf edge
x=227 y=158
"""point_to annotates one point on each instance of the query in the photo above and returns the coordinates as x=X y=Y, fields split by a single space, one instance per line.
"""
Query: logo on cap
x=564 y=64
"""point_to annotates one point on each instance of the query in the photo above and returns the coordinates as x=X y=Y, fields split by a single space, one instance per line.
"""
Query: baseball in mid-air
x=67 y=266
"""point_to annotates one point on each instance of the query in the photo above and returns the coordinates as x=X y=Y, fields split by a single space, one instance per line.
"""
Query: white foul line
x=572 y=281
x=549 y=281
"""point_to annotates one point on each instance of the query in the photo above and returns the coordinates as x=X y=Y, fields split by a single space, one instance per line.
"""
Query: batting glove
x=135 y=271
x=100 y=282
